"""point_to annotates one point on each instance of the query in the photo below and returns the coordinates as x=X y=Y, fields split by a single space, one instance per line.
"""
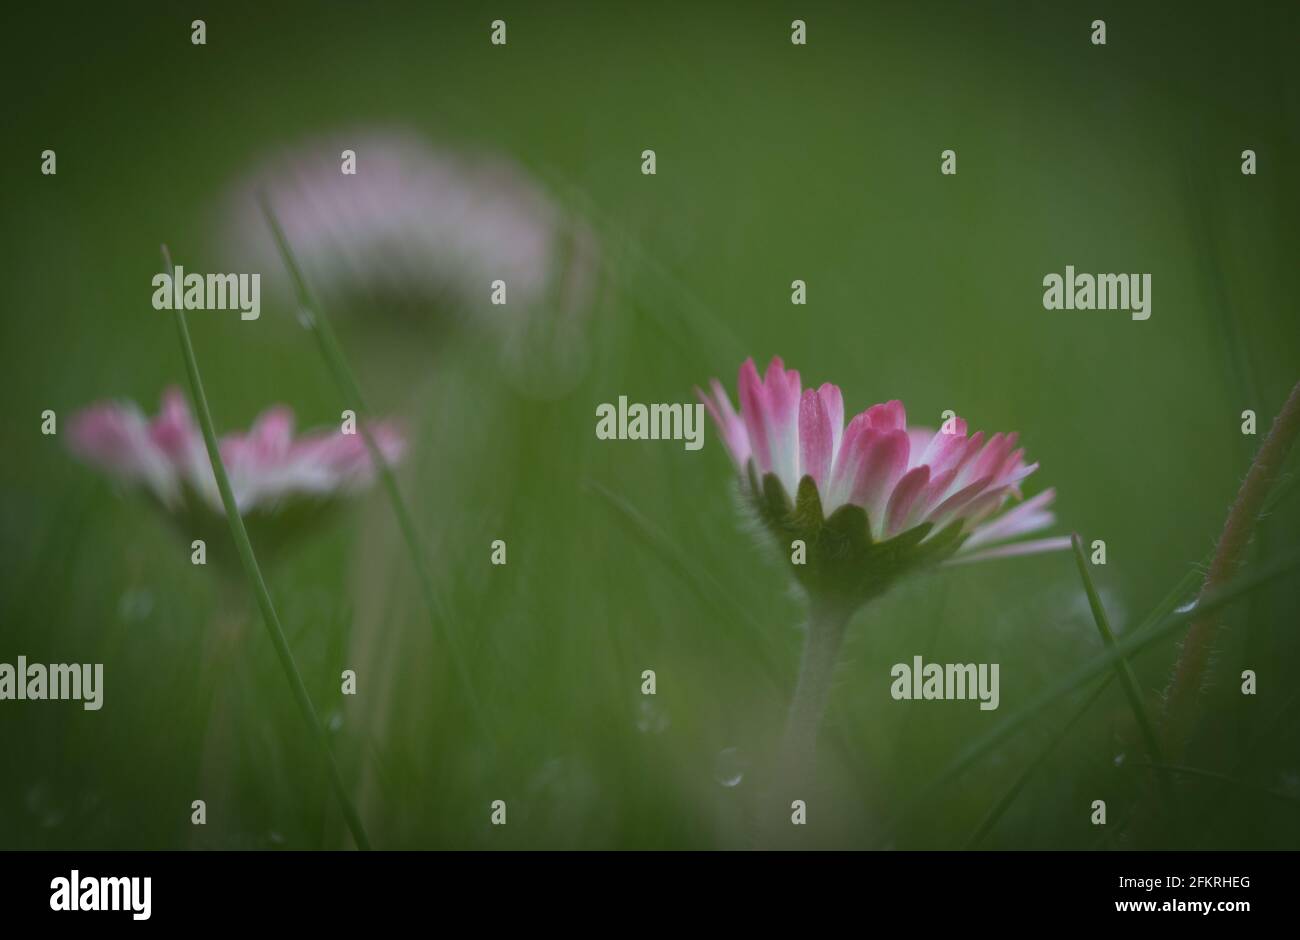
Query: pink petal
x=986 y=504
x=272 y=433
x=345 y=456
x=1029 y=516
x=782 y=389
x=951 y=507
x=963 y=458
x=847 y=460
x=919 y=439
x=889 y=416
x=730 y=426
x=904 y=496
x=932 y=495
x=753 y=411
x=1015 y=548
x=991 y=457
x=833 y=402
x=107 y=434
x=815 y=437
x=174 y=431
x=116 y=438
x=1009 y=466
x=1013 y=479
x=946 y=451
x=883 y=462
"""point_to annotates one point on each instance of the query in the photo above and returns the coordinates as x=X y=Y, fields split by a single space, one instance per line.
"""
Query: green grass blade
x=254 y=573
x=1123 y=670
x=337 y=363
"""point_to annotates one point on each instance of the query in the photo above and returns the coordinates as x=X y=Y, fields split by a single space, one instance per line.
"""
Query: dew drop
x=729 y=770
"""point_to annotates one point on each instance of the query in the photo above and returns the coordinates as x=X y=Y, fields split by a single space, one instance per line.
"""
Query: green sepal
x=843 y=562
x=776 y=504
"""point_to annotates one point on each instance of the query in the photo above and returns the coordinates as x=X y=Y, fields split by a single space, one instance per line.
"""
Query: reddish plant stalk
x=1189 y=673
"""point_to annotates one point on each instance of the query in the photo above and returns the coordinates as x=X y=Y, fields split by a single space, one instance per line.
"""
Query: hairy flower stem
x=821 y=650
x=793 y=772
x=1189 y=674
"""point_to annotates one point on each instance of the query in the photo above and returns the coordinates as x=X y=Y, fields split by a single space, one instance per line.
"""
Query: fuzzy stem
x=1189 y=673
x=826 y=623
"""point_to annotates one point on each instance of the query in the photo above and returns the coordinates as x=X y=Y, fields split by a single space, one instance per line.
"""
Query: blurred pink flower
x=423 y=231
x=956 y=486
x=269 y=468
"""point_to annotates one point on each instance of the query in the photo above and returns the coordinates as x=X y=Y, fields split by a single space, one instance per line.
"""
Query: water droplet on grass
x=729 y=770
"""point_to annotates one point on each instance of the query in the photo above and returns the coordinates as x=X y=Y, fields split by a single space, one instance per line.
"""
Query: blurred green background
x=775 y=162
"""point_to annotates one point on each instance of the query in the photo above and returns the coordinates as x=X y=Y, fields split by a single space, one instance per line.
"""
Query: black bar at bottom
x=334 y=890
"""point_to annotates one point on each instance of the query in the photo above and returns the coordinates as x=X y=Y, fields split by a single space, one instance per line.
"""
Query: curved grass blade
x=254 y=573
x=1123 y=670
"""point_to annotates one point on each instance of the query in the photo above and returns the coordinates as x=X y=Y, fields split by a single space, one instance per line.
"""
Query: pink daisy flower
x=270 y=469
x=874 y=498
x=423 y=232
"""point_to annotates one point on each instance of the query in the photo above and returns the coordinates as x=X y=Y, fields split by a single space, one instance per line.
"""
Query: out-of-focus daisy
x=423 y=232
x=279 y=480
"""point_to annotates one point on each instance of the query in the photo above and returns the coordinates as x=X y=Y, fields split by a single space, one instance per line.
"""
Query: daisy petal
x=815 y=437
